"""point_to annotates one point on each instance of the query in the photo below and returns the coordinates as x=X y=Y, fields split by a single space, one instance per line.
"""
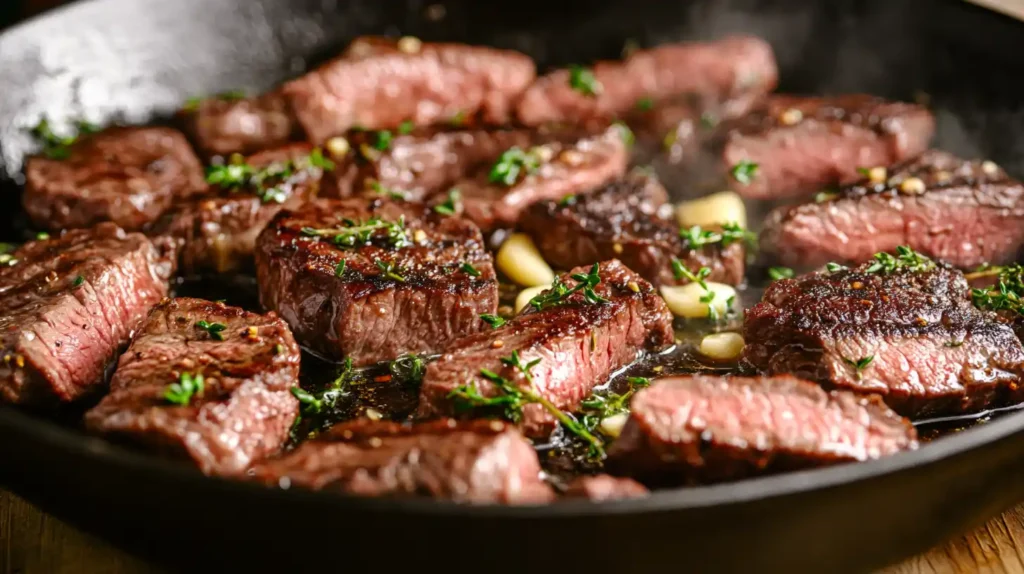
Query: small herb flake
x=188 y=386
x=406 y=127
x=744 y=172
x=493 y=320
x=78 y=281
x=452 y=205
x=383 y=140
x=468 y=269
x=833 y=267
x=407 y=369
x=390 y=270
x=860 y=364
x=583 y=81
x=559 y=292
x=216 y=330
x=512 y=164
x=645 y=104
x=777 y=273
x=339 y=270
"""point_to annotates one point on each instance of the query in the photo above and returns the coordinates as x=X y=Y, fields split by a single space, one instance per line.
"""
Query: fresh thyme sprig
x=390 y=269
x=1006 y=295
x=325 y=401
x=269 y=182
x=598 y=407
x=511 y=399
x=906 y=259
x=358 y=233
x=189 y=385
x=559 y=292
x=512 y=164
x=697 y=237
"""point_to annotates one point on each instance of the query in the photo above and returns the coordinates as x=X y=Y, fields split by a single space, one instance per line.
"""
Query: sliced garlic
x=519 y=259
x=685 y=300
x=715 y=209
x=722 y=346
x=612 y=426
x=524 y=296
x=337 y=147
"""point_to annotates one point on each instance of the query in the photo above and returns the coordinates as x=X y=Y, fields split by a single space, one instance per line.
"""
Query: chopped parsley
x=188 y=386
x=744 y=172
x=583 y=81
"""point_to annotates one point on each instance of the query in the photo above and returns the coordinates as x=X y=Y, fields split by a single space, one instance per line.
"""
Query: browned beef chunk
x=963 y=212
x=604 y=487
x=735 y=68
x=475 y=462
x=68 y=306
x=125 y=175
x=913 y=337
x=418 y=164
x=217 y=231
x=711 y=428
x=802 y=145
x=626 y=220
x=550 y=171
x=221 y=126
x=396 y=81
x=412 y=281
x=579 y=345
x=248 y=364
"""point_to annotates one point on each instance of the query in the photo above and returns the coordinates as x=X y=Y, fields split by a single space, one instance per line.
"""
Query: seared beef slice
x=801 y=145
x=410 y=280
x=604 y=487
x=737 y=68
x=125 y=175
x=418 y=164
x=578 y=343
x=68 y=307
x=498 y=194
x=711 y=428
x=217 y=231
x=623 y=220
x=912 y=337
x=394 y=82
x=224 y=125
x=476 y=462
x=248 y=364
x=963 y=212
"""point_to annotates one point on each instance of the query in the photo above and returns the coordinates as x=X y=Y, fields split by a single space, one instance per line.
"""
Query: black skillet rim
x=65 y=441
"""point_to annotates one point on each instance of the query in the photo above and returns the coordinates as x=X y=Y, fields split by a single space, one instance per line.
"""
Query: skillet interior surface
x=137 y=60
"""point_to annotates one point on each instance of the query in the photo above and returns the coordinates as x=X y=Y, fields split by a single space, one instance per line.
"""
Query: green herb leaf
x=511 y=164
x=468 y=269
x=860 y=364
x=407 y=369
x=56 y=146
x=360 y=233
x=708 y=120
x=188 y=386
x=906 y=259
x=406 y=127
x=390 y=270
x=383 y=141
x=1006 y=295
x=452 y=205
x=567 y=201
x=833 y=267
x=339 y=270
x=78 y=281
x=493 y=320
x=216 y=330
x=559 y=292
x=777 y=273
x=583 y=81
x=42 y=236
x=696 y=237
x=744 y=172
x=644 y=104
x=825 y=196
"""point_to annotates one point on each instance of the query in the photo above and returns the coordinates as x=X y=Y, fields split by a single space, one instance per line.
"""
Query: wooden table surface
x=34 y=543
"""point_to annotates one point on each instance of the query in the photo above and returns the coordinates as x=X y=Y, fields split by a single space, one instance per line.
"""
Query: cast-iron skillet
x=136 y=60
